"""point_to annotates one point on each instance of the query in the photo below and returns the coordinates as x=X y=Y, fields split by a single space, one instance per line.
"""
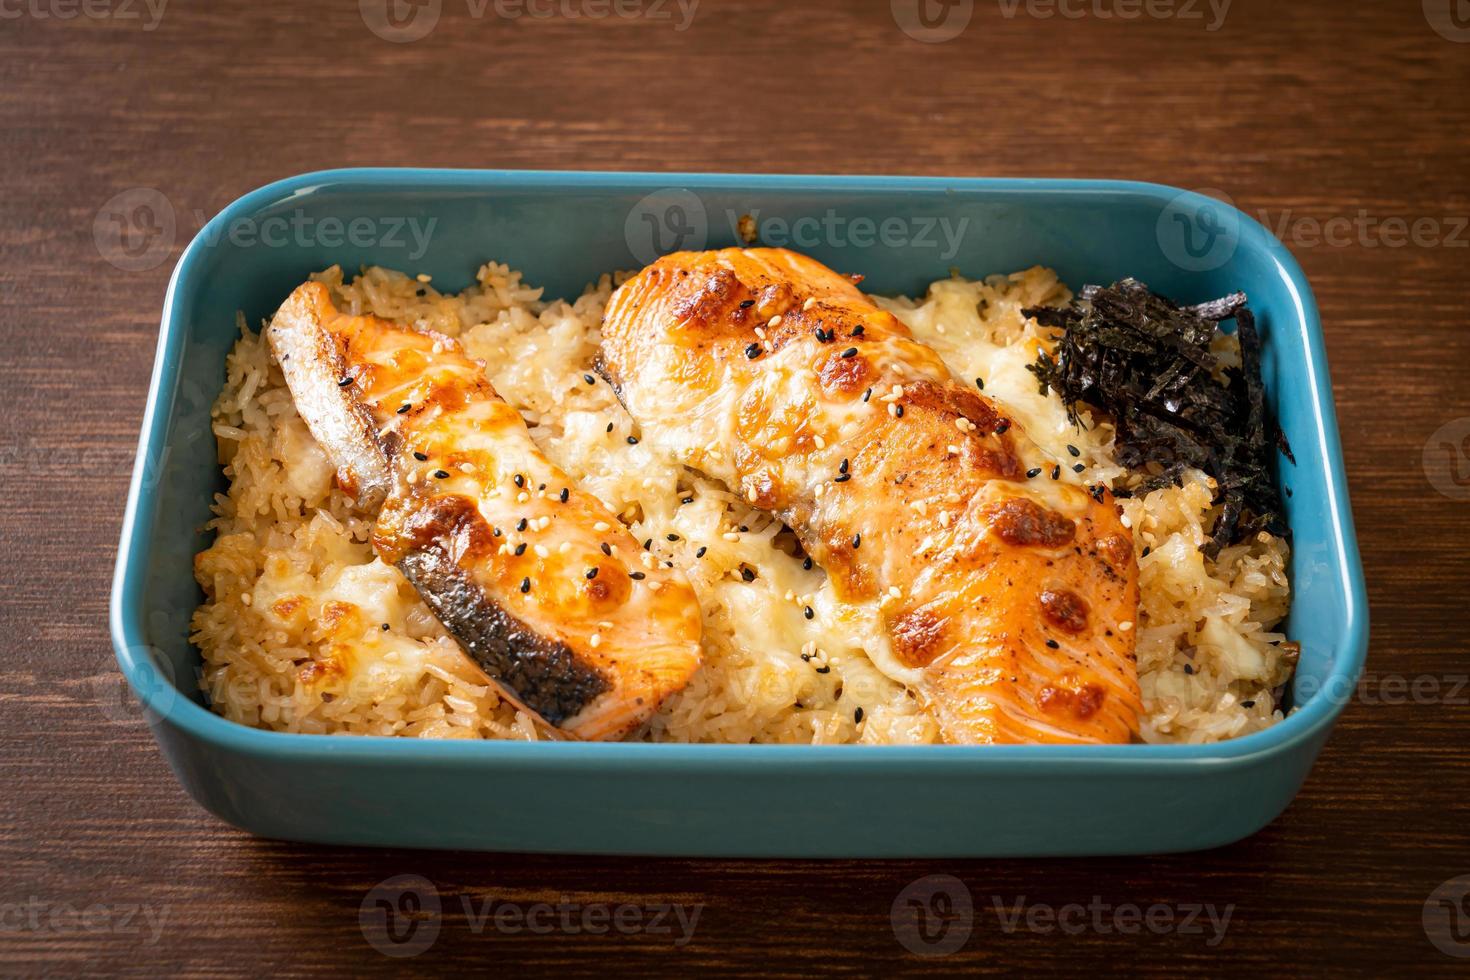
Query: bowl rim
x=161 y=706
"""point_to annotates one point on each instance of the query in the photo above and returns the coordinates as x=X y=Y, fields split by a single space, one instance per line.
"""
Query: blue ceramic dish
x=564 y=229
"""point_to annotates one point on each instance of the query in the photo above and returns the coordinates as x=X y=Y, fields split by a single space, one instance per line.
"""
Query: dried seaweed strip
x=1149 y=364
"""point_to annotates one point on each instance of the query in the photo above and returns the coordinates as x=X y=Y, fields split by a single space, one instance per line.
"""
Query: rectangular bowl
x=563 y=230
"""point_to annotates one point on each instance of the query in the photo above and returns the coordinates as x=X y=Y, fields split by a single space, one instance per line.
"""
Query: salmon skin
x=539 y=583
x=1008 y=601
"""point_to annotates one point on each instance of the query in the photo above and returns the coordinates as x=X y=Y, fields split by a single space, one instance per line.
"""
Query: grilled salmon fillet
x=537 y=581
x=1009 y=599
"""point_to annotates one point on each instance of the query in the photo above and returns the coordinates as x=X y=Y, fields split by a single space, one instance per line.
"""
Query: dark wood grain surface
x=1301 y=112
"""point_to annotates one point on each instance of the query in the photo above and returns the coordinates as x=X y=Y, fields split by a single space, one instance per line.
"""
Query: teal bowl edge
x=181 y=717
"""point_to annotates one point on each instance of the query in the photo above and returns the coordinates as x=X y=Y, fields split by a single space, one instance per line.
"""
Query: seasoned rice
x=290 y=575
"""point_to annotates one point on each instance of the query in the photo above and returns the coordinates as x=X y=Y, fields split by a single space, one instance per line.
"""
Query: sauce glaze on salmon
x=537 y=581
x=1009 y=600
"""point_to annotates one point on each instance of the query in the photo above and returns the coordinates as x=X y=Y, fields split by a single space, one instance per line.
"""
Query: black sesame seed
x=857 y=331
x=404 y=407
x=496 y=532
x=441 y=474
x=609 y=427
x=857 y=716
x=521 y=524
x=1146 y=550
x=606 y=550
x=1056 y=472
x=421 y=457
x=897 y=411
x=632 y=440
x=807 y=564
x=592 y=572
x=1248 y=704
x=385 y=627
x=850 y=352
x=1189 y=669
x=1079 y=467
x=857 y=540
x=842 y=467
x=344 y=382
x=824 y=669
x=526 y=584
x=647 y=544
x=589 y=379
x=565 y=494
x=746 y=304
x=672 y=536
x=980 y=383
x=867 y=394
x=636 y=576
x=541 y=487
x=1053 y=644
x=748 y=574
x=1002 y=427
x=752 y=351
x=809 y=613
x=421 y=291
x=743 y=528
x=700 y=552
x=518 y=480
x=687 y=500
x=520 y=549
x=1073 y=450
x=1033 y=473
x=842 y=479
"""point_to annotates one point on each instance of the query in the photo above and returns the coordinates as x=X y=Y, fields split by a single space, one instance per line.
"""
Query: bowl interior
x=564 y=230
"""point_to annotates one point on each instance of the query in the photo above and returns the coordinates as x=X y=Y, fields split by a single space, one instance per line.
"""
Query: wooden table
x=1302 y=112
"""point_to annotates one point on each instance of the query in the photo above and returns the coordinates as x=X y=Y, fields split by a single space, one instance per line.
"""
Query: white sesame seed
x=596 y=640
x=522 y=497
x=893 y=591
x=751 y=495
x=564 y=547
x=247 y=598
x=952 y=450
x=466 y=468
x=601 y=526
x=775 y=321
x=541 y=551
x=730 y=536
x=654 y=586
x=424 y=277
x=810 y=302
x=820 y=442
x=1125 y=626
